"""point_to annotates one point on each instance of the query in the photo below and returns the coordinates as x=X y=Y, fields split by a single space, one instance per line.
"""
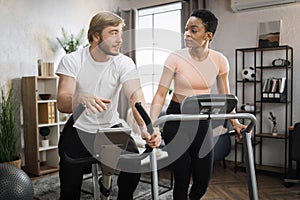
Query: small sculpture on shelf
x=273 y=119
x=247 y=107
x=44 y=132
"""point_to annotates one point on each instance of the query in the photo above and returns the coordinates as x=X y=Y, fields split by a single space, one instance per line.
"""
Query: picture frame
x=269 y=34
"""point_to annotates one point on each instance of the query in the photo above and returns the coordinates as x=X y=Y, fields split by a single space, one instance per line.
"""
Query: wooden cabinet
x=40 y=115
x=270 y=90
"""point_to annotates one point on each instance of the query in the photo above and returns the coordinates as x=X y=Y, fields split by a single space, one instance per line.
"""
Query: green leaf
x=71 y=43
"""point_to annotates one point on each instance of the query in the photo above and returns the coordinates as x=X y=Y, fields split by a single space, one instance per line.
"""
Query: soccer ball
x=248 y=74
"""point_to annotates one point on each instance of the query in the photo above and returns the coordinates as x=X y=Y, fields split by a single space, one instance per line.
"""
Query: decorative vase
x=274 y=130
x=45 y=143
x=43 y=156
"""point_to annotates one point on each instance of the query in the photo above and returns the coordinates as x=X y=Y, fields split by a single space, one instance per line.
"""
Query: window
x=158 y=34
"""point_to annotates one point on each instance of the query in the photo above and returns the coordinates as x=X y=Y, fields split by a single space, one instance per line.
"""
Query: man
x=95 y=75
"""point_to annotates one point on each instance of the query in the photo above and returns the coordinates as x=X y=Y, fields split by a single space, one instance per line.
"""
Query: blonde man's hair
x=102 y=20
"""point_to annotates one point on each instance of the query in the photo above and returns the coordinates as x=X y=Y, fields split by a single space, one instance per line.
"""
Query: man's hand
x=93 y=103
x=152 y=140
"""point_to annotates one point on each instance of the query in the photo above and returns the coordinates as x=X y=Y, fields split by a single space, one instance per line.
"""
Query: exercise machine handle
x=145 y=117
x=147 y=121
x=78 y=111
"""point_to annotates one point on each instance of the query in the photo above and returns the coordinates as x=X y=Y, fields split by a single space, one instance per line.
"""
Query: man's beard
x=103 y=47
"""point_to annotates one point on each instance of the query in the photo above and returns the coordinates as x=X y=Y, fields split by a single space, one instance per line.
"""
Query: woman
x=194 y=70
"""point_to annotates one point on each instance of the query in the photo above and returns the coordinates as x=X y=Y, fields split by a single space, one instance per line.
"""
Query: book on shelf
x=274 y=85
x=267 y=85
x=47 y=113
x=274 y=89
x=282 y=84
x=45 y=68
x=52 y=105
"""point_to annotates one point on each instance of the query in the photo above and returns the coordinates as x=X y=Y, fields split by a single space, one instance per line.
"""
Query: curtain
x=128 y=48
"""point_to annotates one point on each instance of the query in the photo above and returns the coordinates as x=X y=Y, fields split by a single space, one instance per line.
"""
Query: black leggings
x=71 y=175
x=192 y=153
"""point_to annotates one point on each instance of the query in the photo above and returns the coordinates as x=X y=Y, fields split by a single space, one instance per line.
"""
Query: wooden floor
x=226 y=184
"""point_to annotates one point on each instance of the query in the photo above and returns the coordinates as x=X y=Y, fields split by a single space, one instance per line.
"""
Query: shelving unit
x=40 y=160
x=264 y=102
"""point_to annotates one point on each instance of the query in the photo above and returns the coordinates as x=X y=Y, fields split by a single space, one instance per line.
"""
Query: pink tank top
x=195 y=77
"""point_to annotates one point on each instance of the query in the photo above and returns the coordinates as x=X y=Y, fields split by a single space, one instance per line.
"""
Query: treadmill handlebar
x=248 y=128
x=193 y=117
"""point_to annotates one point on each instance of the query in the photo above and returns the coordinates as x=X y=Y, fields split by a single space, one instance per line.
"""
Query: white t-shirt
x=102 y=79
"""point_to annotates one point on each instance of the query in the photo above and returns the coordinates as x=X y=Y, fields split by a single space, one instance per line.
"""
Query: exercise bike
x=194 y=108
x=111 y=142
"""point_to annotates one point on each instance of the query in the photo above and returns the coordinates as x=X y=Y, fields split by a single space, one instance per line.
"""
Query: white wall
x=29 y=29
x=239 y=30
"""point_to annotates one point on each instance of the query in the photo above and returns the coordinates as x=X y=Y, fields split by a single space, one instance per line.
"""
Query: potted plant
x=69 y=42
x=9 y=129
x=44 y=132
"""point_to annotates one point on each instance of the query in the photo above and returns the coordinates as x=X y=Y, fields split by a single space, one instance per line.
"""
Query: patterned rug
x=48 y=189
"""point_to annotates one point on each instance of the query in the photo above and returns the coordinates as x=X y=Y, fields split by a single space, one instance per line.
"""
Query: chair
x=294 y=155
